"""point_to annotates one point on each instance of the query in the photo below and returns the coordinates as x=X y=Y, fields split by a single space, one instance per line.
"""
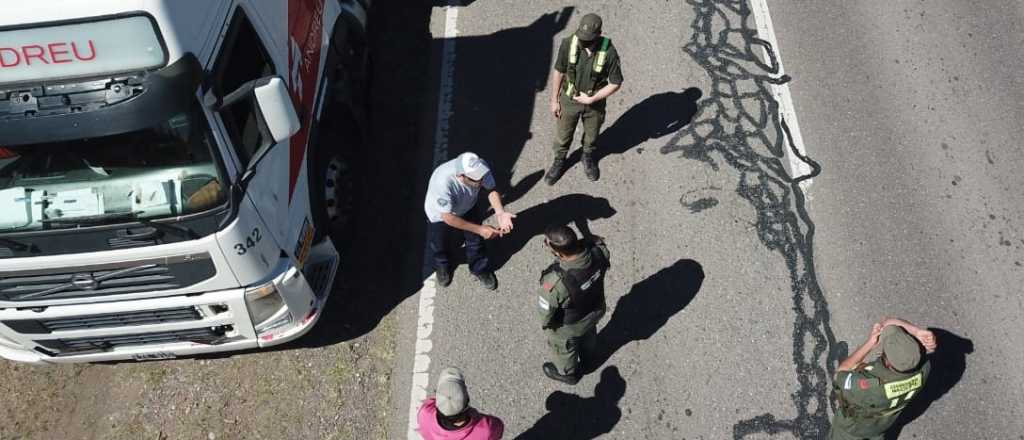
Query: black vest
x=585 y=286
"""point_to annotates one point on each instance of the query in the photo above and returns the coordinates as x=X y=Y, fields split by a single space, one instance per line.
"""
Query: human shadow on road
x=948 y=362
x=654 y=117
x=520 y=188
x=646 y=308
x=576 y=209
x=571 y=417
x=496 y=82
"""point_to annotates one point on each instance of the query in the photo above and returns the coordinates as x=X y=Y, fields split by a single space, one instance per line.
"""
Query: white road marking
x=421 y=358
x=766 y=31
x=425 y=321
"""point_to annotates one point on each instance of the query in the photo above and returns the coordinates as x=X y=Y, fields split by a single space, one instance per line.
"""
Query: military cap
x=901 y=349
x=590 y=27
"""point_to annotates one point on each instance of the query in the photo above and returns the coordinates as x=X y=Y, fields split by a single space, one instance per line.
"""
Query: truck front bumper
x=163 y=328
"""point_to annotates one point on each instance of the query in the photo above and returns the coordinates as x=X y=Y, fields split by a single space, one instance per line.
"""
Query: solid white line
x=425 y=320
x=766 y=31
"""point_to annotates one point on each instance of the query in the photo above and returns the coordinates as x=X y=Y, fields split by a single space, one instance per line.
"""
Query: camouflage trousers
x=572 y=343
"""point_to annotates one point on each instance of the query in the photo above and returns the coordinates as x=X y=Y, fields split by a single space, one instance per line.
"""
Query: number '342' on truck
x=170 y=170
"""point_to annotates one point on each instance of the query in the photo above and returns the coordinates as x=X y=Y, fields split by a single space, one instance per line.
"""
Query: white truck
x=169 y=170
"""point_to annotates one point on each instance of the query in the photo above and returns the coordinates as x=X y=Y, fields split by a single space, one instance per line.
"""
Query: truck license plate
x=153 y=356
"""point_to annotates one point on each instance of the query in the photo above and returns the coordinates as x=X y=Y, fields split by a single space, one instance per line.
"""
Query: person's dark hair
x=562 y=239
x=453 y=423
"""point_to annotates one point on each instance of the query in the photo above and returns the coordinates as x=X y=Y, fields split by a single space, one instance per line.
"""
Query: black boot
x=590 y=167
x=552 y=372
x=489 y=281
x=555 y=172
x=444 y=276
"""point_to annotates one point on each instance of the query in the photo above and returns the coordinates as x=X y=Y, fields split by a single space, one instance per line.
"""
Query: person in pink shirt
x=448 y=416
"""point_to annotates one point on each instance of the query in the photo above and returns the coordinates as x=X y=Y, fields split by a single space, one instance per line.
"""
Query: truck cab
x=170 y=172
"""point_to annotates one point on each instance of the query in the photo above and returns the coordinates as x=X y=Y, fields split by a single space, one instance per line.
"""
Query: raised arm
x=923 y=335
x=858 y=356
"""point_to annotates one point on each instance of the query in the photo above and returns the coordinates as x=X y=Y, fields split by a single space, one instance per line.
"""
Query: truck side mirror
x=277 y=109
x=275 y=115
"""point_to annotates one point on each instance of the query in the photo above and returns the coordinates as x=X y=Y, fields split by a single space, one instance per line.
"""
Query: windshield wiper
x=90 y=219
x=178 y=230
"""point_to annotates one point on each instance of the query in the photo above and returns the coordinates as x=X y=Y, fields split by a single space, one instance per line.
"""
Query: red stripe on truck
x=305 y=33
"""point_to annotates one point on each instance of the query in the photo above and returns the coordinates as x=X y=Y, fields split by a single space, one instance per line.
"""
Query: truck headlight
x=264 y=303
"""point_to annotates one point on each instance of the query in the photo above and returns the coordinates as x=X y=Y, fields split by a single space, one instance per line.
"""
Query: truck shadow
x=496 y=84
x=382 y=256
x=491 y=115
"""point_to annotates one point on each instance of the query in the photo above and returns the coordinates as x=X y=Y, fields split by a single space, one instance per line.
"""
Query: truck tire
x=335 y=190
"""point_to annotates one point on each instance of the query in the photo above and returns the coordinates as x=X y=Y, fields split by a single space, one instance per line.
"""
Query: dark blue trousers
x=476 y=252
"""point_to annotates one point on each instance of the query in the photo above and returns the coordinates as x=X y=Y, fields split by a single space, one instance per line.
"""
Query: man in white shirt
x=451 y=198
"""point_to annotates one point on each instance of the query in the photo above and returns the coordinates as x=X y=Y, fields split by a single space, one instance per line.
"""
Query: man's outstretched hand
x=505 y=221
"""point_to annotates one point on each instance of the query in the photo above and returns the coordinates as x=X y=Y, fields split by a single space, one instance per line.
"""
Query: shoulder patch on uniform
x=548 y=286
x=864 y=384
x=442 y=202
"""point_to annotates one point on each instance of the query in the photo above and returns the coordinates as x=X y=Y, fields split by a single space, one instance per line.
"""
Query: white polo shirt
x=446 y=194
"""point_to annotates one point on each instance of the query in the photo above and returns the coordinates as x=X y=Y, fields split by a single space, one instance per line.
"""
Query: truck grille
x=122 y=278
x=127 y=319
x=64 y=347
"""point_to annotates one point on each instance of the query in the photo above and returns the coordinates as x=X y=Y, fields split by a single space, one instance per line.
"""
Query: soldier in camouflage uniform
x=571 y=300
x=870 y=396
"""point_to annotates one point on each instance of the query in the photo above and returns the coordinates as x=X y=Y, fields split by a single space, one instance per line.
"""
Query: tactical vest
x=898 y=391
x=585 y=286
x=574 y=54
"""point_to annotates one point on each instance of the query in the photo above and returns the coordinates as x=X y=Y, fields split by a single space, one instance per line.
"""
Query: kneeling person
x=450 y=204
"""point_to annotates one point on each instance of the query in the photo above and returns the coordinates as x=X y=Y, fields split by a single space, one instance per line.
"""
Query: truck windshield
x=165 y=170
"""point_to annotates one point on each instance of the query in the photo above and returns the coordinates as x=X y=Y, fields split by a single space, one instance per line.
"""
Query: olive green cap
x=590 y=27
x=901 y=349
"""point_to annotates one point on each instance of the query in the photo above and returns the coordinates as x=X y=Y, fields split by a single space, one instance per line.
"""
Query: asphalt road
x=735 y=290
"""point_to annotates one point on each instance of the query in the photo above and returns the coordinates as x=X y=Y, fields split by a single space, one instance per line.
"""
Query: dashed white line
x=421 y=358
x=766 y=31
x=425 y=320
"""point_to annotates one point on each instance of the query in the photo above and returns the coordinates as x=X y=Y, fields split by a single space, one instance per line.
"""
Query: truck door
x=241 y=57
